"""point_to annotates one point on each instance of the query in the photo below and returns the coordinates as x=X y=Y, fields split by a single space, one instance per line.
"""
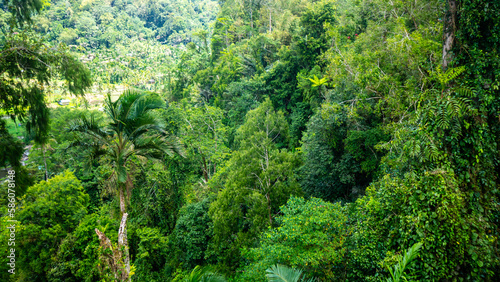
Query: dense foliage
x=330 y=140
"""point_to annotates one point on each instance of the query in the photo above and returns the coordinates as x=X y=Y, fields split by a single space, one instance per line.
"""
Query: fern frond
x=465 y=91
x=445 y=77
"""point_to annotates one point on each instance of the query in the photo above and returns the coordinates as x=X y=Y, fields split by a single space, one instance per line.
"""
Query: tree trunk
x=270 y=21
x=122 y=235
x=122 y=199
x=119 y=259
x=205 y=169
x=123 y=244
x=449 y=29
x=45 y=163
x=269 y=210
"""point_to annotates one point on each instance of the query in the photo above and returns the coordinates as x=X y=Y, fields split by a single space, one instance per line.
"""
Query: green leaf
x=122 y=174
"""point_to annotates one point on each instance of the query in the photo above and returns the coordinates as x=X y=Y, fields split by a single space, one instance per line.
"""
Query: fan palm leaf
x=281 y=273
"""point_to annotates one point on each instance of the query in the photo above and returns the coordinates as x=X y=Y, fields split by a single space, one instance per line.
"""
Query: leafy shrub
x=48 y=212
x=427 y=208
x=152 y=254
x=191 y=235
x=77 y=258
x=310 y=236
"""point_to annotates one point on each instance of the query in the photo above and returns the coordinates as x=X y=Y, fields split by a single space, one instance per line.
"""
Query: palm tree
x=132 y=132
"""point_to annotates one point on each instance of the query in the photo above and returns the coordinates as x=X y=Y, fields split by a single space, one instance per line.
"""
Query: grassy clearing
x=14 y=128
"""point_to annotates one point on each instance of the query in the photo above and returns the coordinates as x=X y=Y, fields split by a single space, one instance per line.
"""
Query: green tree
x=191 y=235
x=152 y=255
x=47 y=213
x=11 y=150
x=27 y=65
x=158 y=196
x=206 y=136
x=310 y=235
x=77 y=257
x=313 y=39
x=22 y=10
x=340 y=159
x=257 y=179
x=132 y=132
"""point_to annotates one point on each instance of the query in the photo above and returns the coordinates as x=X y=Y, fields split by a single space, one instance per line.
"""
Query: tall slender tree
x=132 y=132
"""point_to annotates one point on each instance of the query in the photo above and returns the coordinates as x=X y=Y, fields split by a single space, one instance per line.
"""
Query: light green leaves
x=50 y=210
x=310 y=235
x=281 y=273
x=397 y=274
x=316 y=82
x=201 y=274
x=255 y=182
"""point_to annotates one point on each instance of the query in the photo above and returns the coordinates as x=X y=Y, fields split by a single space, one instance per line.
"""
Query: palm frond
x=134 y=103
x=151 y=145
x=144 y=129
x=201 y=274
x=132 y=110
x=90 y=127
x=281 y=273
x=110 y=109
x=445 y=77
